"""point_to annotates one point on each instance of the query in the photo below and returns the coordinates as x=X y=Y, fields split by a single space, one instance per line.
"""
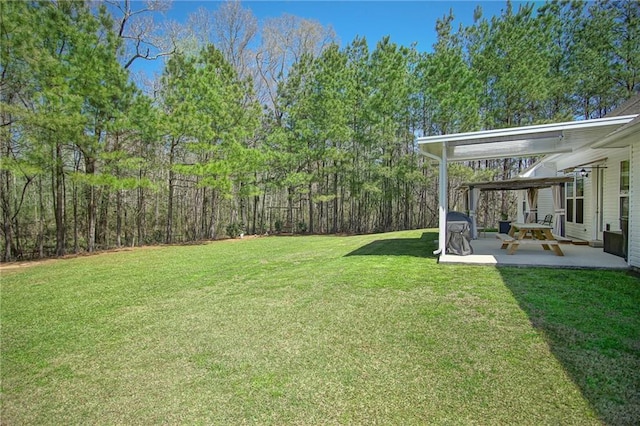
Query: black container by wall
x=504 y=226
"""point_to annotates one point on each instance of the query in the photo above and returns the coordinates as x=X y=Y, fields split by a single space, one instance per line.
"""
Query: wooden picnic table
x=530 y=233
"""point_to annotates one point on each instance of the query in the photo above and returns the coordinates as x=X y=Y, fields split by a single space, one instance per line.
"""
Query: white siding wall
x=545 y=203
x=583 y=231
x=611 y=208
x=634 y=205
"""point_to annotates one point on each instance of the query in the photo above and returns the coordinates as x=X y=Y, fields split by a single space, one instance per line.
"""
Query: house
x=601 y=158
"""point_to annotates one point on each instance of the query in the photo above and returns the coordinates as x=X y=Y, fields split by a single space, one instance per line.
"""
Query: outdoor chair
x=547 y=220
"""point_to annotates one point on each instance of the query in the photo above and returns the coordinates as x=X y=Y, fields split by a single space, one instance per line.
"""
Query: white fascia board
x=527 y=130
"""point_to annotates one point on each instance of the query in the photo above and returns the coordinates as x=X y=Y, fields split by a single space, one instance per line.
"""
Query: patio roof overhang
x=525 y=141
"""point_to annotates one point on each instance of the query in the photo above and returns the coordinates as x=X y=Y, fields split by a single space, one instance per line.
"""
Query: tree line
x=285 y=132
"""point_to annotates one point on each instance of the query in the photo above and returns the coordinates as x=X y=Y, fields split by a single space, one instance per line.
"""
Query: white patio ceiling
x=618 y=138
x=526 y=141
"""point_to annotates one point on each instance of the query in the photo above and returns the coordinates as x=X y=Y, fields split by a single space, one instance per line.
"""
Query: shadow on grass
x=417 y=247
x=591 y=322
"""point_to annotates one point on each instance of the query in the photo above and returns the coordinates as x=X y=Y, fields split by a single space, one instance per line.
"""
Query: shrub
x=234 y=229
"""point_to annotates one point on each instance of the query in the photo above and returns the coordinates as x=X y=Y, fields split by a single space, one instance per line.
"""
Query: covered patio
x=557 y=139
x=486 y=251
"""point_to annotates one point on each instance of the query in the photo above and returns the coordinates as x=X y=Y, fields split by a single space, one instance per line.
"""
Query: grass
x=309 y=330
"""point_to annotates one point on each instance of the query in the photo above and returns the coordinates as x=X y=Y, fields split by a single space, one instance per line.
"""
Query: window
x=579 y=199
x=624 y=177
x=570 y=197
x=575 y=200
x=624 y=189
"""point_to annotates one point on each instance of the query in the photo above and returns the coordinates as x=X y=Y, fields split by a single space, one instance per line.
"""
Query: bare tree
x=144 y=39
x=284 y=40
x=234 y=29
x=200 y=27
x=231 y=29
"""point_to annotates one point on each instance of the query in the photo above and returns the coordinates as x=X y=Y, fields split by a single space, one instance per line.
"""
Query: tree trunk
x=310 y=227
x=169 y=223
x=40 y=220
x=6 y=216
x=140 y=214
x=242 y=206
x=58 y=189
x=256 y=201
x=76 y=225
x=263 y=224
x=90 y=165
x=212 y=223
x=334 y=227
x=290 y=192
x=201 y=224
x=407 y=207
x=103 y=232
x=118 y=218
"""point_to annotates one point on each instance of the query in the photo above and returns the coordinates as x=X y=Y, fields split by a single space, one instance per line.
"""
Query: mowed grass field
x=315 y=330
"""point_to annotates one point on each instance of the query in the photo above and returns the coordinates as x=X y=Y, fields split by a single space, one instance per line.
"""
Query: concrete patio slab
x=486 y=251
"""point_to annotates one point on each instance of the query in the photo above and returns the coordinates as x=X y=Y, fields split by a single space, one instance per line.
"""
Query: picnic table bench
x=529 y=234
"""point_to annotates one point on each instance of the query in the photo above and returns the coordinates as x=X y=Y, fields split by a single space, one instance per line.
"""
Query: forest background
x=273 y=127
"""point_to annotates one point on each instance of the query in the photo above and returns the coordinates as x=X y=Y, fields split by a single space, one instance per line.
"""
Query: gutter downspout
x=442 y=198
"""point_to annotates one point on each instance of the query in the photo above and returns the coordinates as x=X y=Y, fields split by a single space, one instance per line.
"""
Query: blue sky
x=405 y=22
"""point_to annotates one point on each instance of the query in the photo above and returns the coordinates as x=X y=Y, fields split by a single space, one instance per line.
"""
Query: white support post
x=443 y=202
x=473 y=195
x=442 y=198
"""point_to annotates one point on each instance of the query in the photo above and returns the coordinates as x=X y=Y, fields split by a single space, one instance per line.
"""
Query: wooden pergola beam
x=515 y=184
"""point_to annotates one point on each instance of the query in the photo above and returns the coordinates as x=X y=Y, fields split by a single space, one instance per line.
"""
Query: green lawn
x=315 y=330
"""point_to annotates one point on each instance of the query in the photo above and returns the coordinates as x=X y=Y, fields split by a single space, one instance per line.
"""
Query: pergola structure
x=531 y=185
